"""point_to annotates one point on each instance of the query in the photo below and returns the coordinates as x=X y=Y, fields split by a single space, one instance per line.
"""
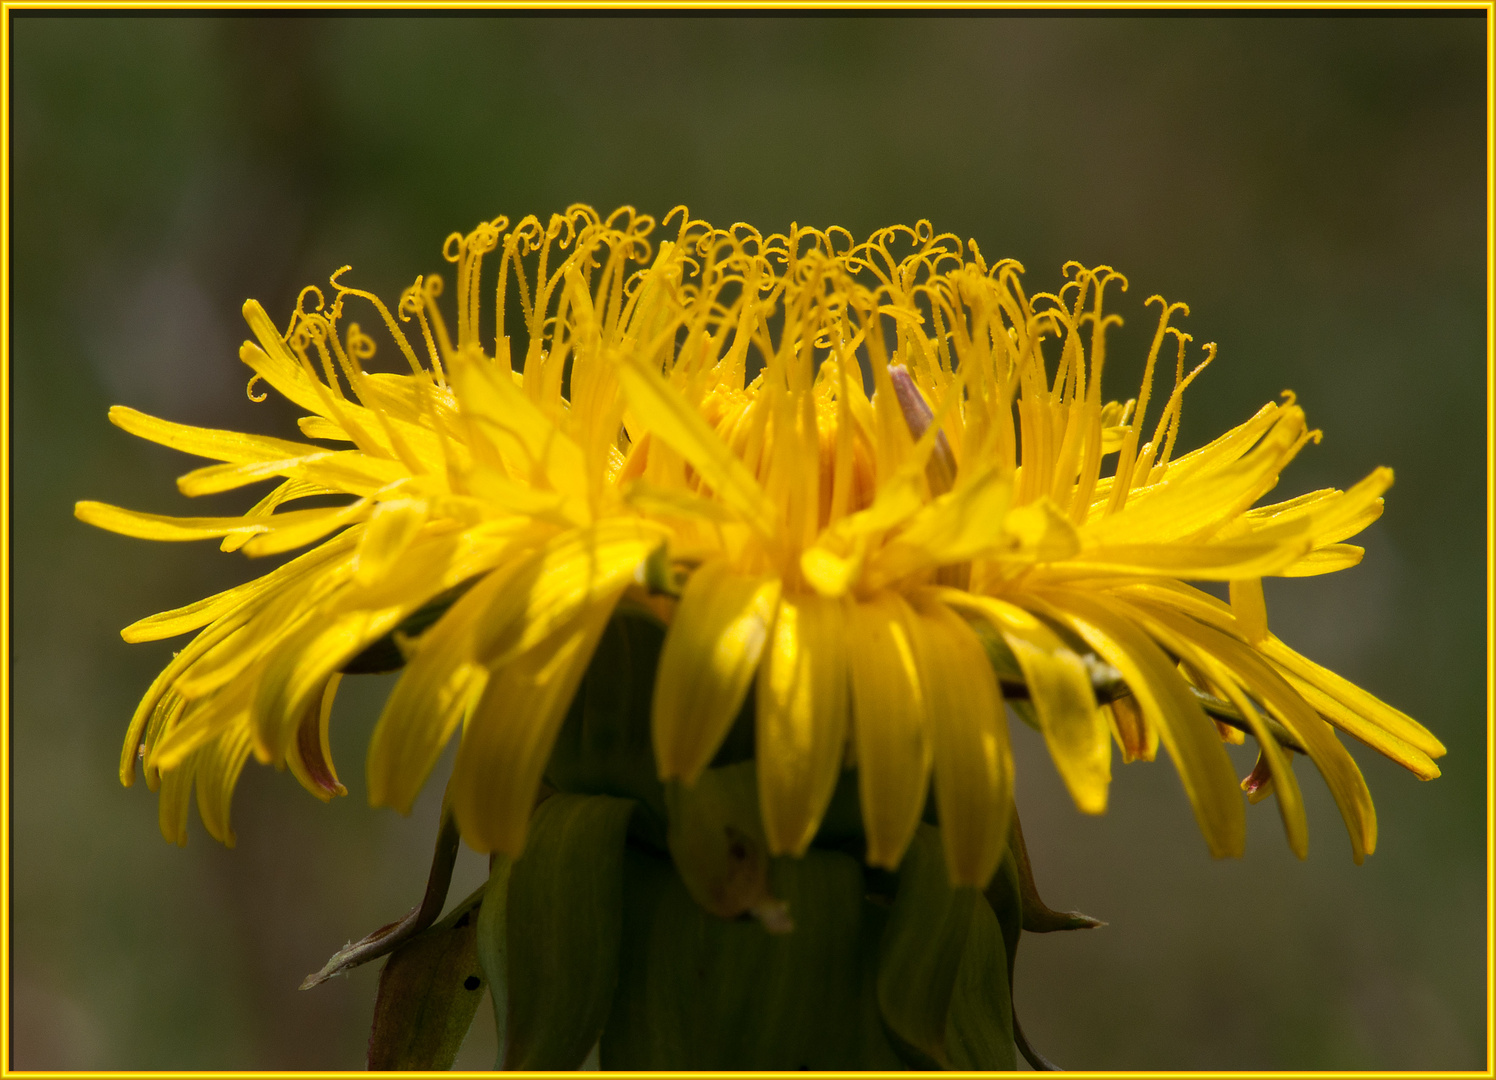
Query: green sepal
x=391 y=936
x=661 y=575
x=1024 y=709
x=875 y=1045
x=1009 y=675
x=1008 y=894
x=717 y=842
x=841 y=825
x=1038 y=917
x=1004 y=664
x=1005 y=897
x=700 y=992
x=493 y=944
x=1106 y=681
x=551 y=933
x=428 y=992
x=741 y=741
x=979 y=1027
x=604 y=745
x=920 y=955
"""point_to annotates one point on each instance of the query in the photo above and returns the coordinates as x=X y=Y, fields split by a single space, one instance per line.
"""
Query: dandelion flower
x=875 y=489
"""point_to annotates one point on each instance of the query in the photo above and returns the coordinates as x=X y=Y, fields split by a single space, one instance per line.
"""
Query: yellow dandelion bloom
x=876 y=485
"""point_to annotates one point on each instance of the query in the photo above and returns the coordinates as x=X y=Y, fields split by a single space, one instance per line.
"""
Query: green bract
x=646 y=927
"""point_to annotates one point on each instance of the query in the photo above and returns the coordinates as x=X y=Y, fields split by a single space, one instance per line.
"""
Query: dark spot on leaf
x=472 y=982
x=462 y=920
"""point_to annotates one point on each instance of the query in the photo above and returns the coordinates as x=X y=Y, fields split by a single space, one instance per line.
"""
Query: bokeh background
x=1315 y=189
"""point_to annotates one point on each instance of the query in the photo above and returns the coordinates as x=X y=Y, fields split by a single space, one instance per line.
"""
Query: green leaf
x=699 y=992
x=922 y=948
x=428 y=992
x=559 y=926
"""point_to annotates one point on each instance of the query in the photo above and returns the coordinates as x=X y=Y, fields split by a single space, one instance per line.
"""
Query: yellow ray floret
x=879 y=482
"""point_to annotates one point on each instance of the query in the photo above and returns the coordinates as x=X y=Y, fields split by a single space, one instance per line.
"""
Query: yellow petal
x=175 y=797
x=831 y=574
x=1190 y=503
x=1325 y=560
x=1075 y=731
x=337 y=470
x=273 y=362
x=1186 y=732
x=298 y=669
x=162 y=526
x=392 y=527
x=319 y=427
x=802 y=719
x=955 y=527
x=180 y=620
x=165 y=687
x=832 y=565
x=238 y=651
x=1379 y=739
x=273 y=617
x=661 y=409
x=1341 y=774
x=517 y=498
x=969 y=739
x=1335 y=515
x=1221 y=560
x=296 y=528
x=533 y=447
x=1355 y=699
x=440 y=683
x=412 y=398
x=1192 y=641
x=1039 y=532
x=1196 y=603
x=1226 y=449
x=510 y=734
x=309 y=755
x=231 y=446
x=293 y=528
x=375 y=431
x=1250 y=608
x=572 y=571
x=711 y=653
x=658 y=501
x=888 y=722
x=895 y=502
x=218 y=766
x=289 y=491
x=198 y=723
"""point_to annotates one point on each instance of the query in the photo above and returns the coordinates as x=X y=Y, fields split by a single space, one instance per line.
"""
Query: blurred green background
x=1315 y=189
